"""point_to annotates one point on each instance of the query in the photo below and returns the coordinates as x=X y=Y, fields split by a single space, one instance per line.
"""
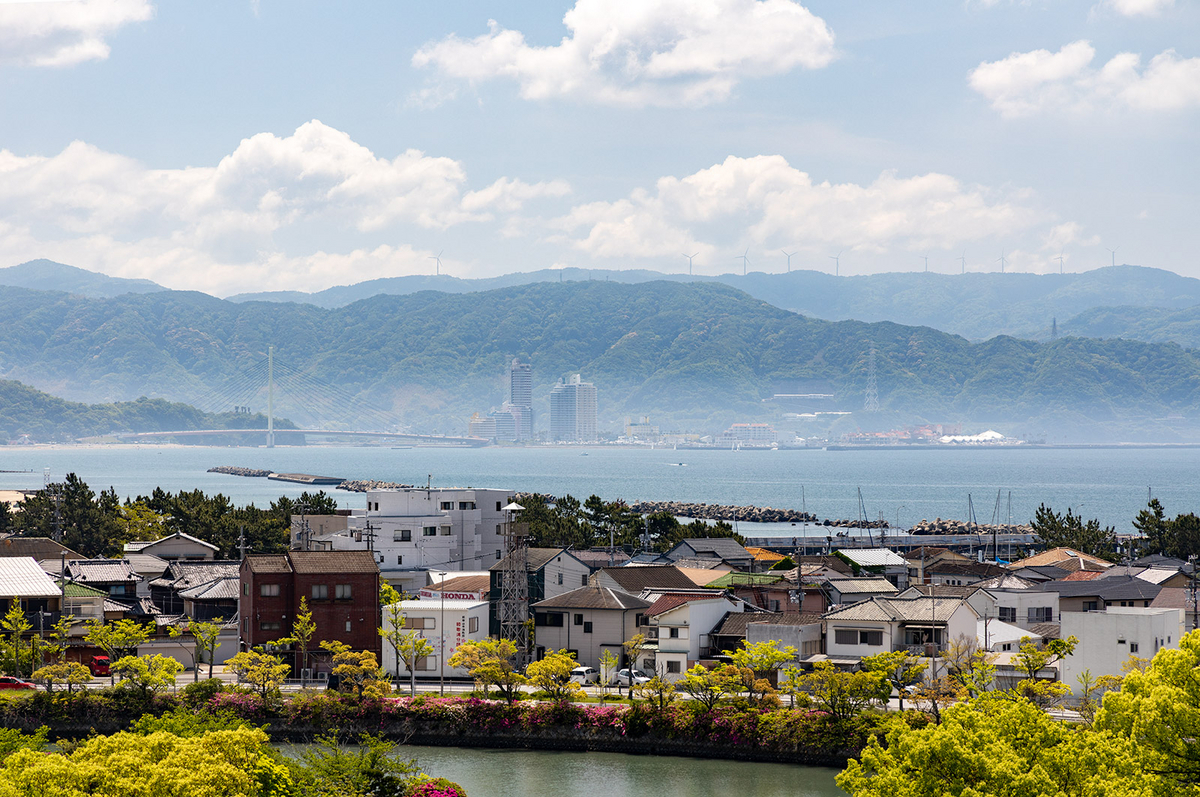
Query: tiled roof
x=215 y=590
x=333 y=561
x=138 y=607
x=1007 y=581
x=141 y=545
x=1083 y=575
x=462 y=584
x=764 y=554
x=944 y=590
x=673 y=600
x=1056 y=555
x=1171 y=598
x=147 y=564
x=598 y=559
x=1046 y=630
x=186 y=574
x=701 y=563
x=36 y=547
x=535 y=558
x=872 y=557
x=736 y=623
x=980 y=569
x=635 y=579
x=268 y=563
x=855 y=586
x=593 y=597
x=101 y=571
x=736 y=579
x=936 y=610
x=21 y=577
x=1108 y=589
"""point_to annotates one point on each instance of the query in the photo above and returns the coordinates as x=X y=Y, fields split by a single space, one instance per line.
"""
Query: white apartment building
x=446 y=624
x=1110 y=638
x=414 y=530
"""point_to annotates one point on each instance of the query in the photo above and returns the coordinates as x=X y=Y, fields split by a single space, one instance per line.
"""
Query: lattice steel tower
x=514 y=585
x=872 y=398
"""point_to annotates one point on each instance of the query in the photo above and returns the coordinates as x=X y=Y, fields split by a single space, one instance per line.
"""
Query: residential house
x=918 y=559
x=596 y=558
x=1108 y=639
x=113 y=576
x=341 y=588
x=682 y=622
x=84 y=604
x=723 y=549
x=1040 y=574
x=148 y=567
x=447 y=624
x=175 y=546
x=962 y=573
x=1162 y=576
x=921 y=625
x=1067 y=559
x=1101 y=593
x=764 y=558
x=801 y=631
x=588 y=621
x=770 y=591
x=22 y=580
x=853 y=590
x=39 y=548
x=636 y=580
x=201 y=580
x=1177 y=598
x=825 y=566
x=551 y=572
x=879 y=562
x=1001 y=637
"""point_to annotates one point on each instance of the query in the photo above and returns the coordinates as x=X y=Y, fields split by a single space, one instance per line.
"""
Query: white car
x=630 y=677
x=585 y=675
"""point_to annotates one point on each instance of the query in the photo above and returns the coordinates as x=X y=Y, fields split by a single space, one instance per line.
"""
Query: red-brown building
x=342 y=588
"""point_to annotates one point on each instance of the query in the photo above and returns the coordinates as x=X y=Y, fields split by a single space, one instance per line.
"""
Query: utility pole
x=242 y=543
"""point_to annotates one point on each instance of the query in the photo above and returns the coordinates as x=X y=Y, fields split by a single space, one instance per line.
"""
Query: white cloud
x=765 y=201
x=1138 y=8
x=66 y=32
x=223 y=228
x=1027 y=83
x=643 y=52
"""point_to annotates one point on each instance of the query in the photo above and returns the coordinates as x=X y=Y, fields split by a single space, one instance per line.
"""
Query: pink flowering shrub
x=435 y=787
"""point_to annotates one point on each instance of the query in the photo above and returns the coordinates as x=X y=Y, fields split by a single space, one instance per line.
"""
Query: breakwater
x=742 y=514
x=949 y=527
x=235 y=470
x=362 y=485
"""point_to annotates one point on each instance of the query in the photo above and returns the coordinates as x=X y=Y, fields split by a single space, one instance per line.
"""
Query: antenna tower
x=514 y=587
x=871 y=404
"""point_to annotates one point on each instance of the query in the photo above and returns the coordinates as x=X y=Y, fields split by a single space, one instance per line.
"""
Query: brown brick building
x=342 y=588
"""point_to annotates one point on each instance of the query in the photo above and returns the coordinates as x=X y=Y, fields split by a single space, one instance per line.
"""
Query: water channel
x=500 y=773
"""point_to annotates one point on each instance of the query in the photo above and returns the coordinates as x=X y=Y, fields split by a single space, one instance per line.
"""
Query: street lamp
x=441 y=631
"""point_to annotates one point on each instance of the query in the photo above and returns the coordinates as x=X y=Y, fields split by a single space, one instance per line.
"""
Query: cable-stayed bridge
x=319 y=408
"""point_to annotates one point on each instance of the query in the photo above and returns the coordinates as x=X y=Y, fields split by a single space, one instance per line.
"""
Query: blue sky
x=236 y=146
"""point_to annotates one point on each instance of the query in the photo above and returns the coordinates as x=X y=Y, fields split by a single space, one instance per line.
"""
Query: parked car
x=630 y=677
x=98 y=665
x=8 y=682
x=585 y=675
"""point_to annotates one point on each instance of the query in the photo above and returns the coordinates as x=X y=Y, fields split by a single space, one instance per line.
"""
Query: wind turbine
x=1002 y=260
x=963 y=260
x=1060 y=260
x=689 y=257
x=926 y=258
x=1114 y=255
x=837 y=263
x=789 y=257
x=745 y=258
x=437 y=262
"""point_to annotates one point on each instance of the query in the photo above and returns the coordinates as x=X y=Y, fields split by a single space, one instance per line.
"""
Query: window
x=578 y=619
x=1133 y=647
x=419 y=623
x=342 y=592
x=464 y=505
x=1041 y=614
x=497 y=506
x=1088 y=606
x=1008 y=614
x=446 y=530
x=587 y=628
x=548 y=619
x=380 y=558
x=404 y=535
x=774 y=606
x=399 y=559
x=116 y=589
x=473 y=625
x=426 y=663
x=639 y=619
x=498 y=557
x=269 y=626
x=672 y=667
x=560 y=577
x=429 y=531
x=320 y=592
x=1007 y=646
x=447 y=505
x=583 y=580
x=245 y=587
x=872 y=638
x=673 y=633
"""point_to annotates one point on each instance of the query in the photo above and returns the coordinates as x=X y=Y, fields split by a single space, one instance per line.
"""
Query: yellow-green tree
x=708 y=687
x=843 y=695
x=69 y=674
x=969 y=666
x=635 y=646
x=899 y=668
x=205 y=641
x=552 y=675
x=658 y=692
x=261 y=670
x=15 y=626
x=147 y=674
x=490 y=663
x=996 y=744
x=357 y=668
x=411 y=647
x=608 y=670
x=760 y=661
x=394 y=622
x=1031 y=659
x=302 y=633
x=139 y=522
x=118 y=639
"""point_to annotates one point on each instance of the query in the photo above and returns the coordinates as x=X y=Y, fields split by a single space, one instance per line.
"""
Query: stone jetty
x=947 y=527
x=362 y=485
x=742 y=514
x=234 y=470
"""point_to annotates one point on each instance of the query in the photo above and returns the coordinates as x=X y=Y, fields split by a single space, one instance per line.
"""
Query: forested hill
x=692 y=355
x=45 y=418
x=46 y=275
x=975 y=305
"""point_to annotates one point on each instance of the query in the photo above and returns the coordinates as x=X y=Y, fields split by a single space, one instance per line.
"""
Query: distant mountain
x=1138 y=323
x=46 y=275
x=693 y=356
x=25 y=411
x=976 y=306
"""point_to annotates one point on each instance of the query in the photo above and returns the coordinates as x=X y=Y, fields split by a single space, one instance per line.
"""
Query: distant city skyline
x=332 y=144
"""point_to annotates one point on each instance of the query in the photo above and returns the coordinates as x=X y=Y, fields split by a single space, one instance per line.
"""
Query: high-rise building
x=573 y=411
x=520 y=397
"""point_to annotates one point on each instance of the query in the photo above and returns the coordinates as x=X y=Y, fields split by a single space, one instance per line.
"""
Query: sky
x=246 y=146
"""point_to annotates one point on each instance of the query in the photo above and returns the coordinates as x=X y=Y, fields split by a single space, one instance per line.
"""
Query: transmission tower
x=514 y=587
x=872 y=398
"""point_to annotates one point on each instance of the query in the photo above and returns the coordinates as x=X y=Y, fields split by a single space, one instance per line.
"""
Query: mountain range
x=691 y=355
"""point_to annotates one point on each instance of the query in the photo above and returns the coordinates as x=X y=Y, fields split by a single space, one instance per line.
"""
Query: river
x=905 y=486
x=501 y=773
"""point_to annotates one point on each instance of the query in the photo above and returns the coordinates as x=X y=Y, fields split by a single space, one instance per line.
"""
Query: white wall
x=570 y=571
x=457 y=616
x=1107 y=639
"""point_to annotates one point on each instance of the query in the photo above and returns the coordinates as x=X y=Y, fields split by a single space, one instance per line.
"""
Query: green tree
x=1070 y=531
x=207 y=637
x=357 y=668
x=69 y=674
x=634 y=647
x=261 y=670
x=138 y=522
x=147 y=674
x=118 y=639
x=16 y=627
x=490 y=663
x=302 y=633
x=609 y=662
x=1151 y=523
x=971 y=667
x=552 y=675
x=844 y=695
x=658 y=692
x=900 y=669
x=392 y=630
x=762 y=659
x=708 y=687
